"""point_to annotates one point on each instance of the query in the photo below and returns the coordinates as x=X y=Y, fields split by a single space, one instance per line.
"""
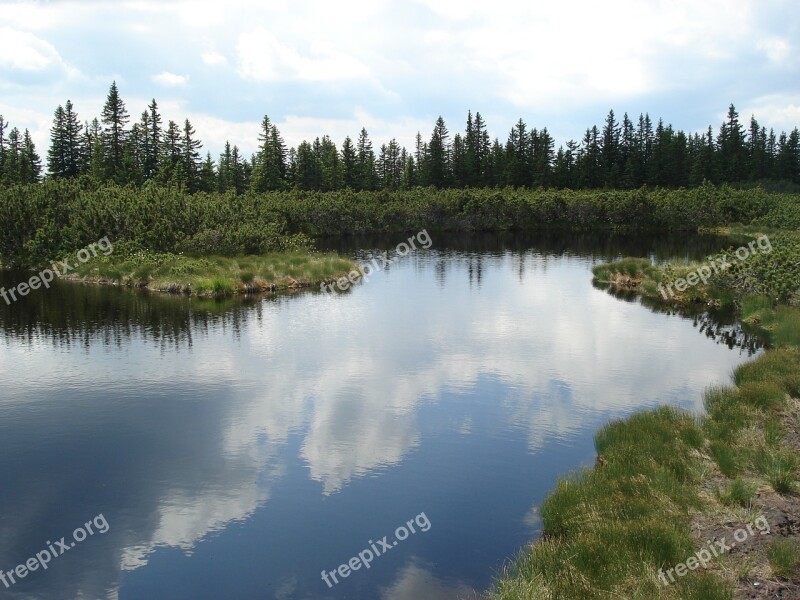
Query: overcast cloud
x=332 y=67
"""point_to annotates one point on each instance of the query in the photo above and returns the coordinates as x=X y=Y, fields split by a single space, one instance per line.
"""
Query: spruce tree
x=331 y=177
x=208 y=177
x=269 y=172
x=114 y=118
x=56 y=154
x=30 y=167
x=610 y=151
x=171 y=156
x=152 y=148
x=74 y=157
x=732 y=151
x=3 y=146
x=519 y=158
x=13 y=159
x=365 y=162
x=349 y=165
x=437 y=162
x=190 y=153
x=462 y=169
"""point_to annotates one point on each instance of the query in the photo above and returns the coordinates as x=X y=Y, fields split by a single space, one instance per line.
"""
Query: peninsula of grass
x=668 y=482
x=215 y=276
x=768 y=266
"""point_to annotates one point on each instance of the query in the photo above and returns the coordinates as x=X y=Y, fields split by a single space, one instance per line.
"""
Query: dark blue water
x=238 y=449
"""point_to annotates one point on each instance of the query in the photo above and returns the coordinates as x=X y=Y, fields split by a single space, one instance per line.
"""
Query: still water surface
x=237 y=449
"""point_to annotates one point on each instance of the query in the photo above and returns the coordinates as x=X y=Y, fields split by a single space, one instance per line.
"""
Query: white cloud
x=777 y=49
x=213 y=58
x=779 y=111
x=544 y=55
x=168 y=79
x=414 y=582
x=262 y=57
x=24 y=51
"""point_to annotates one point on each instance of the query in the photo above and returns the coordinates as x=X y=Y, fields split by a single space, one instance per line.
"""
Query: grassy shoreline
x=667 y=481
x=214 y=276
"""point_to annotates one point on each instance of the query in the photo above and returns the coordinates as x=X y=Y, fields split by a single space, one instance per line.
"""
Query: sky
x=393 y=67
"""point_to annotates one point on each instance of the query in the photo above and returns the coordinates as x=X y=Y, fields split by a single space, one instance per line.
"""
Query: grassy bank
x=214 y=276
x=667 y=483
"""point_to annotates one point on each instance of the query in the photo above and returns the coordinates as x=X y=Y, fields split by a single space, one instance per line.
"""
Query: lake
x=238 y=449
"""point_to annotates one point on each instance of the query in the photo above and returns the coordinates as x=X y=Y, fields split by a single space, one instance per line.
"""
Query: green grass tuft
x=784 y=557
x=778 y=465
x=737 y=492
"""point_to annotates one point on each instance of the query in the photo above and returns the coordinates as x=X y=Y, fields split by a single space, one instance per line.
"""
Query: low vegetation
x=214 y=276
x=59 y=216
x=764 y=284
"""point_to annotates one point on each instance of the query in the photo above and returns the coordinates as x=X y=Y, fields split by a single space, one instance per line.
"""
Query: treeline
x=618 y=155
x=48 y=221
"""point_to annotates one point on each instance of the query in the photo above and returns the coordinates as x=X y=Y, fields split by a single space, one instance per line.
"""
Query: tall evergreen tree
x=307 y=170
x=421 y=159
x=208 y=177
x=732 y=151
x=56 y=154
x=94 y=142
x=114 y=118
x=589 y=160
x=390 y=165
x=519 y=156
x=171 y=157
x=269 y=172
x=543 y=158
x=349 y=164
x=788 y=158
x=12 y=164
x=610 y=152
x=365 y=162
x=437 y=162
x=190 y=153
x=3 y=145
x=151 y=122
x=74 y=156
x=30 y=166
x=330 y=167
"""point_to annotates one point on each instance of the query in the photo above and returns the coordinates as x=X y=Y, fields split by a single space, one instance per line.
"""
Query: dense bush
x=42 y=222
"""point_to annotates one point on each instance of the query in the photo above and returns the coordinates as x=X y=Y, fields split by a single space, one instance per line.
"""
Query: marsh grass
x=784 y=557
x=630 y=268
x=779 y=467
x=778 y=366
x=737 y=492
x=636 y=504
x=216 y=276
